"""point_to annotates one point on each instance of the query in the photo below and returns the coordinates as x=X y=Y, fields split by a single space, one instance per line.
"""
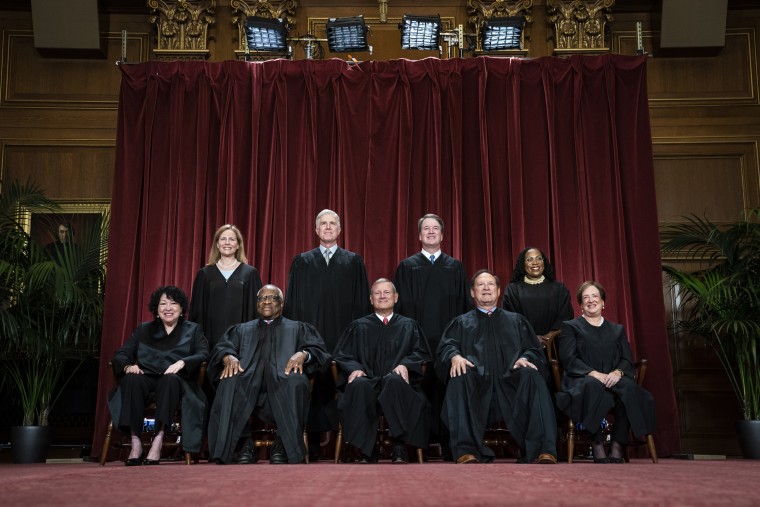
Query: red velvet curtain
x=550 y=152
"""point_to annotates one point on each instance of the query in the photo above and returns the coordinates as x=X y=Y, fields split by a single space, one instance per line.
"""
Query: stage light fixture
x=346 y=35
x=420 y=32
x=500 y=34
x=266 y=34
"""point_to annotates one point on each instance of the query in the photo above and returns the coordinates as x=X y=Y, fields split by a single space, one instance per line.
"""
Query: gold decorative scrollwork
x=182 y=28
x=580 y=26
x=242 y=9
x=479 y=11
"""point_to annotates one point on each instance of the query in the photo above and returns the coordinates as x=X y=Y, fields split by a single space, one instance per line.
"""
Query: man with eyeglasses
x=497 y=372
x=259 y=367
x=327 y=287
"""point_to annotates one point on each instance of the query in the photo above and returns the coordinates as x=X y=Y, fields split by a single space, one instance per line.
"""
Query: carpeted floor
x=671 y=482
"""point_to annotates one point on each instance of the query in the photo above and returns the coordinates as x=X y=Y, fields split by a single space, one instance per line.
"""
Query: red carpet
x=671 y=482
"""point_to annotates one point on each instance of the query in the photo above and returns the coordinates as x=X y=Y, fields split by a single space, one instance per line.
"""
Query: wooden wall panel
x=65 y=171
x=707 y=420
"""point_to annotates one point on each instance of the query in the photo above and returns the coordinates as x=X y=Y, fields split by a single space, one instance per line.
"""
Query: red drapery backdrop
x=550 y=152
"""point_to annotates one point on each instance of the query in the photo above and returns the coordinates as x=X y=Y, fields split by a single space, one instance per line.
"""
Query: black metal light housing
x=346 y=35
x=266 y=34
x=420 y=32
x=500 y=34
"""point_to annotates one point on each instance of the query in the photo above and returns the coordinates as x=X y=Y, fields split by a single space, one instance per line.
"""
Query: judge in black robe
x=218 y=302
x=167 y=364
x=535 y=294
x=497 y=372
x=432 y=293
x=328 y=296
x=378 y=357
x=599 y=376
x=260 y=367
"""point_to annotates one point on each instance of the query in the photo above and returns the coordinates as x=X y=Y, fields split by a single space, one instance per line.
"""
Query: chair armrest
x=556 y=374
x=641 y=371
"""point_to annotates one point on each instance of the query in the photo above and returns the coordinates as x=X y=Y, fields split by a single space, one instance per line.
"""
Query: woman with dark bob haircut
x=599 y=377
x=535 y=294
x=162 y=356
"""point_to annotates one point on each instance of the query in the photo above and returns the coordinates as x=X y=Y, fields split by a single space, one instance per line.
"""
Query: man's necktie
x=489 y=313
x=432 y=259
x=385 y=320
x=328 y=253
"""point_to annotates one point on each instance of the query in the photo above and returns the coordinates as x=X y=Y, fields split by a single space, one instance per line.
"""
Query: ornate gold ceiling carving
x=580 y=26
x=181 y=28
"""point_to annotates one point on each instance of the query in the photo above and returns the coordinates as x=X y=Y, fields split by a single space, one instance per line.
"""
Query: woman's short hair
x=174 y=293
x=585 y=285
x=518 y=275
x=214 y=255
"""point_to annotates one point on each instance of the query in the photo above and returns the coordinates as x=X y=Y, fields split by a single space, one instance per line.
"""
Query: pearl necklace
x=588 y=319
x=227 y=267
x=534 y=281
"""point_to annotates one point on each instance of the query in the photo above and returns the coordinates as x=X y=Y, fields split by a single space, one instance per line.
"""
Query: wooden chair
x=383 y=442
x=174 y=429
x=573 y=435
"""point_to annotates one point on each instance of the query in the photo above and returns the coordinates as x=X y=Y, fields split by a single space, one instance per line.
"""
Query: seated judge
x=259 y=367
x=377 y=356
x=534 y=293
x=162 y=356
x=497 y=372
x=599 y=377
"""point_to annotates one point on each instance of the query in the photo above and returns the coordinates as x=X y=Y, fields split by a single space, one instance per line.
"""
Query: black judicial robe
x=376 y=349
x=329 y=297
x=432 y=294
x=263 y=351
x=583 y=348
x=519 y=396
x=154 y=351
x=546 y=305
x=217 y=303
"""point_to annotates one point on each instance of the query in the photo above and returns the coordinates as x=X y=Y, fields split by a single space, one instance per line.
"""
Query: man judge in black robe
x=327 y=287
x=432 y=292
x=376 y=356
x=259 y=367
x=497 y=373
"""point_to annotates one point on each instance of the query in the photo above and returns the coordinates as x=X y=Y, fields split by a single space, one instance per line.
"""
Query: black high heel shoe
x=134 y=462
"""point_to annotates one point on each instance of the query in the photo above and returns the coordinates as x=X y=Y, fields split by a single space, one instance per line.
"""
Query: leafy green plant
x=721 y=300
x=51 y=302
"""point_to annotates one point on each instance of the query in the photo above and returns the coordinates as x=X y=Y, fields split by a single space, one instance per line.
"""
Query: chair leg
x=570 y=440
x=188 y=458
x=338 y=443
x=652 y=448
x=106 y=443
x=306 y=443
x=419 y=456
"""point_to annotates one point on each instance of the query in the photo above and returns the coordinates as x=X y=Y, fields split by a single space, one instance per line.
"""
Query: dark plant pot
x=29 y=444
x=749 y=438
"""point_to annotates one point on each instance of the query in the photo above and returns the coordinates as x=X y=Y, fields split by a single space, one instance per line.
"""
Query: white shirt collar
x=332 y=249
x=381 y=317
x=428 y=254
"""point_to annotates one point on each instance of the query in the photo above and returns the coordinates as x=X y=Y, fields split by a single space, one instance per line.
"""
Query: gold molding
x=580 y=27
x=478 y=12
x=70 y=207
x=181 y=28
x=277 y=9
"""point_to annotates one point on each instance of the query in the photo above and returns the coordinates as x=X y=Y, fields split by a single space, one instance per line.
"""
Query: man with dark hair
x=259 y=367
x=327 y=287
x=432 y=289
x=497 y=372
x=64 y=245
x=378 y=355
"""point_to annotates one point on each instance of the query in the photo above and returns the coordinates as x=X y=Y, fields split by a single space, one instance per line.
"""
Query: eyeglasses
x=535 y=259
x=269 y=298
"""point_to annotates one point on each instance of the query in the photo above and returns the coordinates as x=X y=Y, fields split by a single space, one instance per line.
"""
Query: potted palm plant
x=51 y=306
x=720 y=301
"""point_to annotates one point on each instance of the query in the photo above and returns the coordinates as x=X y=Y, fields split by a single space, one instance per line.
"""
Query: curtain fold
x=554 y=153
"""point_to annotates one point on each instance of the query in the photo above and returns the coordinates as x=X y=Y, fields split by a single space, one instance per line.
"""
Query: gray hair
x=326 y=212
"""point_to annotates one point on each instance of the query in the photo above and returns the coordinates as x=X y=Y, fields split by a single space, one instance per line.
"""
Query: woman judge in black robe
x=599 y=377
x=224 y=291
x=162 y=356
x=535 y=294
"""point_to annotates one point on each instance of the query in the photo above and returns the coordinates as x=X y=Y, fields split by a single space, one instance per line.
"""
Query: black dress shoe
x=152 y=462
x=247 y=455
x=614 y=459
x=399 y=455
x=278 y=455
x=601 y=460
x=366 y=460
x=134 y=462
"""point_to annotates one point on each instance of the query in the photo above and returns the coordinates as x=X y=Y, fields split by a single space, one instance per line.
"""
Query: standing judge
x=378 y=356
x=534 y=293
x=259 y=367
x=327 y=287
x=433 y=289
x=497 y=373
x=224 y=291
